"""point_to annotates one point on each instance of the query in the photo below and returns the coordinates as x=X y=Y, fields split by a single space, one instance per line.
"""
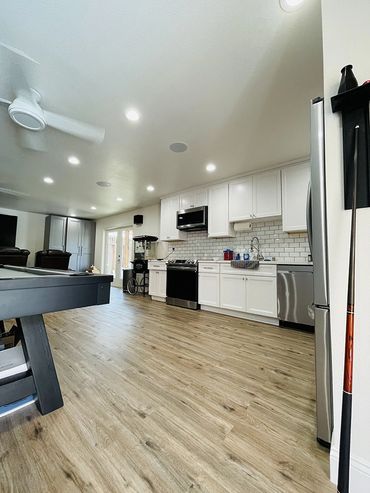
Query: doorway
x=118 y=253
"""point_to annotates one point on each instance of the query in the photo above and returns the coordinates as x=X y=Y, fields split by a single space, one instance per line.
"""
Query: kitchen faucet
x=255 y=240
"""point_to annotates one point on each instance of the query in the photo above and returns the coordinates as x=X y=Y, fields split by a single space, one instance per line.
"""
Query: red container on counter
x=228 y=254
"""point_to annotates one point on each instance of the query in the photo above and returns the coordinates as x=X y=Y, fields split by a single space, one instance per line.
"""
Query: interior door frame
x=117 y=280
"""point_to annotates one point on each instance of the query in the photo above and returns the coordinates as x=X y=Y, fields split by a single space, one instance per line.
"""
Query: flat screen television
x=8 y=230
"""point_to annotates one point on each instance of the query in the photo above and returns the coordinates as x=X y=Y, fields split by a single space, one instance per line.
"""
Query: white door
x=241 y=199
x=118 y=253
x=232 y=292
x=154 y=282
x=162 y=283
x=218 y=212
x=209 y=289
x=295 y=180
x=261 y=296
x=267 y=194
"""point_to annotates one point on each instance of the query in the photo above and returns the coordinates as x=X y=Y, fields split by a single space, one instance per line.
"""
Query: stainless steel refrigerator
x=317 y=235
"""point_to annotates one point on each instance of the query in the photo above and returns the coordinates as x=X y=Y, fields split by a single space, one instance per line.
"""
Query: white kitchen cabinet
x=232 y=292
x=267 y=194
x=255 y=197
x=295 y=180
x=241 y=199
x=193 y=198
x=261 y=296
x=157 y=279
x=218 y=212
x=209 y=289
x=168 y=230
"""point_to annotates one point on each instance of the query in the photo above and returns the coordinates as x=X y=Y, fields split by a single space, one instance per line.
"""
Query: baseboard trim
x=245 y=316
x=360 y=472
x=159 y=298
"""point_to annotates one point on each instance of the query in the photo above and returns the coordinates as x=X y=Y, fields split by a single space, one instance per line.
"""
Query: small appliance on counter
x=182 y=283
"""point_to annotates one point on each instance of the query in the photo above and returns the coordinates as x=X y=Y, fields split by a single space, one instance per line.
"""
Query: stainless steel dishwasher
x=295 y=293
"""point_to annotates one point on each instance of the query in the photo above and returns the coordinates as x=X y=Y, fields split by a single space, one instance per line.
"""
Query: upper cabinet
x=295 y=180
x=267 y=194
x=241 y=199
x=218 y=212
x=168 y=230
x=254 y=197
x=194 y=198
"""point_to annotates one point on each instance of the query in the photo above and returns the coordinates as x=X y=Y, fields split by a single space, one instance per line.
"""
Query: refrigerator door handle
x=309 y=216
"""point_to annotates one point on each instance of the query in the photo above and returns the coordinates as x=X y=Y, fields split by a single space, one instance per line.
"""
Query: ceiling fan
x=14 y=193
x=25 y=109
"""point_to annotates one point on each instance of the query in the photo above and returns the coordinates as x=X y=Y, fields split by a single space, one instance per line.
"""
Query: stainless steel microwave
x=195 y=219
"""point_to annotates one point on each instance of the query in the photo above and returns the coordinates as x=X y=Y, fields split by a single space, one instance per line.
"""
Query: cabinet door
x=218 y=212
x=194 y=198
x=295 y=180
x=56 y=225
x=74 y=234
x=209 y=289
x=232 y=292
x=261 y=296
x=267 y=194
x=162 y=283
x=241 y=199
x=153 y=282
x=169 y=208
x=88 y=237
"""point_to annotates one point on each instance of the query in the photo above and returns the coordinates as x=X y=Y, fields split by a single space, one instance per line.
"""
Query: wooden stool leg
x=37 y=351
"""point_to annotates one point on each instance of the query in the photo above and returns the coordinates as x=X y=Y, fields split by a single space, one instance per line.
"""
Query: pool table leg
x=37 y=351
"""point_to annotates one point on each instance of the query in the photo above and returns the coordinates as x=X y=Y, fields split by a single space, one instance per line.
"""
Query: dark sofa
x=14 y=256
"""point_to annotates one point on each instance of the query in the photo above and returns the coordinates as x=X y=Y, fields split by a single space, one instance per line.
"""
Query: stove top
x=190 y=261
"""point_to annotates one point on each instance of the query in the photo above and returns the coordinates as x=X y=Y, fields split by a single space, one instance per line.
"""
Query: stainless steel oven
x=182 y=283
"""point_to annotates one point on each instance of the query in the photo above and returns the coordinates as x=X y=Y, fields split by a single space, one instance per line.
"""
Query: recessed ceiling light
x=150 y=188
x=73 y=215
x=211 y=167
x=291 y=5
x=93 y=208
x=105 y=184
x=119 y=199
x=48 y=180
x=74 y=160
x=178 y=147
x=132 y=115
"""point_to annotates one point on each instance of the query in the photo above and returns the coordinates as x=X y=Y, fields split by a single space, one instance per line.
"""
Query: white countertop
x=265 y=262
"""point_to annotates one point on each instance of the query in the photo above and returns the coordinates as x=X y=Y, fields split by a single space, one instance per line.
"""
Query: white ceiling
x=231 y=78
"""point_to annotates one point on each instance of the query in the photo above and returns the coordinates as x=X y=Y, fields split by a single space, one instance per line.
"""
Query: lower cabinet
x=254 y=294
x=157 y=283
x=209 y=289
x=261 y=296
x=233 y=292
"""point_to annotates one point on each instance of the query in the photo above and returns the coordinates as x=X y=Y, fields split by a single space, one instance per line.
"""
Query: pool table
x=25 y=295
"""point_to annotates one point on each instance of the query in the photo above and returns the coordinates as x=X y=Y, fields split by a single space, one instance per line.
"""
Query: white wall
x=346 y=40
x=150 y=227
x=30 y=231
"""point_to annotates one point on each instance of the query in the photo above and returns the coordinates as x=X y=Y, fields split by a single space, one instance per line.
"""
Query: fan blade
x=75 y=127
x=5 y=101
x=19 y=67
x=15 y=193
x=35 y=141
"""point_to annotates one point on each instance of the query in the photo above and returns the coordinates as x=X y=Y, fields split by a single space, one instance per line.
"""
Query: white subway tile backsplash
x=285 y=247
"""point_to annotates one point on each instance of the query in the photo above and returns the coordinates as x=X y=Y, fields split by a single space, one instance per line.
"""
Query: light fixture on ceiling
x=74 y=160
x=73 y=215
x=119 y=199
x=104 y=184
x=132 y=115
x=93 y=208
x=178 y=147
x=211 y=167
x=291 y=5
x=150 y=188
x=48 y=180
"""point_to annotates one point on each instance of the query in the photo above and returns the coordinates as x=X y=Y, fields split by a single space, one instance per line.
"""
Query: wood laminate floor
x=163 y=399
